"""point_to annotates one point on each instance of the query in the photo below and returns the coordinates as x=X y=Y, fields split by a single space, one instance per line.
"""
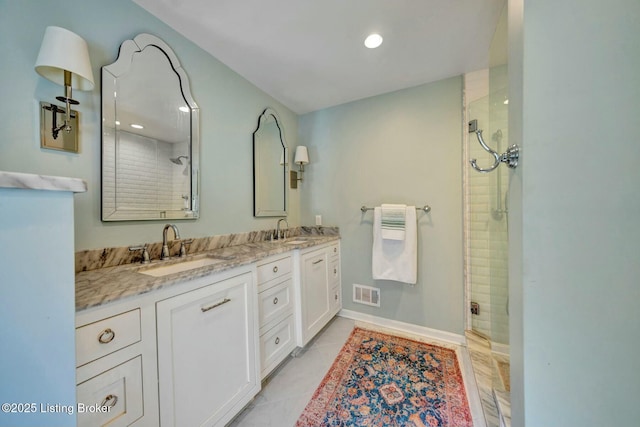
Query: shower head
x=177 y=161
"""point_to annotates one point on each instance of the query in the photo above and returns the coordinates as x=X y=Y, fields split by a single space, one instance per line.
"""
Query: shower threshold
x=494 y=395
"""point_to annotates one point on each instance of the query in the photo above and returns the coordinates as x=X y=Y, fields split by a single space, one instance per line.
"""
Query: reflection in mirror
x=150 y=141
x=270 y=158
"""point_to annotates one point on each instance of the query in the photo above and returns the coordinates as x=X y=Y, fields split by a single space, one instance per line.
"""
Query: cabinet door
x=207 y=364
x=315 y=293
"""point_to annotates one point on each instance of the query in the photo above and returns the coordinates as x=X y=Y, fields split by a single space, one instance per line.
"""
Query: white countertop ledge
x=41 y=182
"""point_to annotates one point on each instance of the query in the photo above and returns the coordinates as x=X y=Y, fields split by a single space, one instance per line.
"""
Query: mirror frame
x=121 y=66
x=259 y=211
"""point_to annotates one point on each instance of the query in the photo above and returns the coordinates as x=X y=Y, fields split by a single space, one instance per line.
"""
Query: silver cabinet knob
x=110 y=401
x=275 y=301
x=277 y=341
x=275 y=269
x=106 y=336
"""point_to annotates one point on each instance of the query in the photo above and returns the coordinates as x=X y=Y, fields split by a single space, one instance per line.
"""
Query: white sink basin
x=164 y=270
x=295 y=242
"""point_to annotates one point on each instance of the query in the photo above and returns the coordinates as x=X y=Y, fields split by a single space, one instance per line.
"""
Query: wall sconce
x=63 y=59
x=300 y=158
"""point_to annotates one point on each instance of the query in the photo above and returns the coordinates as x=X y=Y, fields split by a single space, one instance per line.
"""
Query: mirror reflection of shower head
x=177 y=161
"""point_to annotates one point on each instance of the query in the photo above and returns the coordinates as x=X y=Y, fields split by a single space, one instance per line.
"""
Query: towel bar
x=425 y=208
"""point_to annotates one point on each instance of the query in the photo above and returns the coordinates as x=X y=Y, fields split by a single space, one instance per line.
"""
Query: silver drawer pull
x=110 y=401
x=335 y=271
x=277 y=341
x=218 y=304
x=318 y=261
x=275 y=269
x=275 y=300
x=106 y=336
x=335 y=250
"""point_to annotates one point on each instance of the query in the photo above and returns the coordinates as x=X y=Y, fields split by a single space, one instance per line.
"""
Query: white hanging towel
x=395 y=259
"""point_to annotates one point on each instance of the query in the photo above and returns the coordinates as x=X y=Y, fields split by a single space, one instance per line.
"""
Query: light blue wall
x=37 y=319
x=229 y=107
x=401 y=147
x=576 y=234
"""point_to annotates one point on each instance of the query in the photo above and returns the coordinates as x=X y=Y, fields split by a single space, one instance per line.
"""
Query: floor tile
x=289 y=388
x=286 y=392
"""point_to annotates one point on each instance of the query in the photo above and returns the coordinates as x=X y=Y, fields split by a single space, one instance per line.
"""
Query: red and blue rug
x=382 y=380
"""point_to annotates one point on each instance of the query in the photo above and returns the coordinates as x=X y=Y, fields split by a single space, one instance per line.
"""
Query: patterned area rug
x=382 y=380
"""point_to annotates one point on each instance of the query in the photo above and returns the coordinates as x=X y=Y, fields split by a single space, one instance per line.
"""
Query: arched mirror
x=150 y=139
x=270 y=158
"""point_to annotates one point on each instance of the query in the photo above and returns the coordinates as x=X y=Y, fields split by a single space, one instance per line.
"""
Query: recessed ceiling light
x=135 y=126
x=373 y=41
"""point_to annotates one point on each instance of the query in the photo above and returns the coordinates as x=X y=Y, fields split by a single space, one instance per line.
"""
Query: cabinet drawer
x=106 y=336
x=275 y=301
x=334 y=250
x=113 y=397
x=335 y=298
x=334 y=270
x=274 y=269
x=276 y=344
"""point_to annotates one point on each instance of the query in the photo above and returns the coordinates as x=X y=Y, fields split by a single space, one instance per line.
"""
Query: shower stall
x=487 y=220
x=486 y=181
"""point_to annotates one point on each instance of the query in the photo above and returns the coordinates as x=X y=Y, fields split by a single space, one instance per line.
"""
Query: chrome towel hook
x=510 y=157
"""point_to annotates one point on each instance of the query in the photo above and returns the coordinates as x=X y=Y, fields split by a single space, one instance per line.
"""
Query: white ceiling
x=310 y=55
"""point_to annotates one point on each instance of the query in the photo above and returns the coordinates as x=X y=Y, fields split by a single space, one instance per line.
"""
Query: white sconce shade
x=63 y=59
x=301 y=158
x=302 y=155
x=63 y=50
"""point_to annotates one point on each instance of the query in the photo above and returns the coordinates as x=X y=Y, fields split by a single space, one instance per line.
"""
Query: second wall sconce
x=63 y=59
x=300 y=158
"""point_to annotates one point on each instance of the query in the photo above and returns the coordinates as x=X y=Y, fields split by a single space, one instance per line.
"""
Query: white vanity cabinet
x=109 y=359
x=193 y=353
x=319 y=290
x=207 y=355
x=276 y=304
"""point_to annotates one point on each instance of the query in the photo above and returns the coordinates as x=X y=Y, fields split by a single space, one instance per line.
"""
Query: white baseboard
x=409 y=328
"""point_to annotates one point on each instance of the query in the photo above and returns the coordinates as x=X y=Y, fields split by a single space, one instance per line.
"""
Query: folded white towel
x=392 y=222
x=395 y=259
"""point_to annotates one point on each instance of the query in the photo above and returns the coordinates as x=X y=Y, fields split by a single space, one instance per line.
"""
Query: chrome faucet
x=165 y=248
x=278 y=228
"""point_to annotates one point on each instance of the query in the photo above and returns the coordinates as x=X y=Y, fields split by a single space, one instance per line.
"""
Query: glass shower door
x=487 y=216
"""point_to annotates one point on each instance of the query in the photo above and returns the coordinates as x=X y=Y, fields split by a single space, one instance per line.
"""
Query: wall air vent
x=366 y=295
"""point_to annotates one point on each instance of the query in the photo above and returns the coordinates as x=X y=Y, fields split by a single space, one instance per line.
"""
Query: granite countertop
x=109 y=284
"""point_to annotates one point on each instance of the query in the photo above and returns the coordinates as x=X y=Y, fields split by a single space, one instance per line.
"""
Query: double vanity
x=182 y=340
x=187 y=341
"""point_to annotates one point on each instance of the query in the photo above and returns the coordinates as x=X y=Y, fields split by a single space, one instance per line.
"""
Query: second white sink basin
x=165 y=270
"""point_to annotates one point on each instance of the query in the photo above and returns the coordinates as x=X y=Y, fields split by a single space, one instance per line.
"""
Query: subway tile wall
x=146 y=179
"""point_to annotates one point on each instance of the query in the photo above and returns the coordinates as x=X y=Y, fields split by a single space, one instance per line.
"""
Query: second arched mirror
x=270 y=158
